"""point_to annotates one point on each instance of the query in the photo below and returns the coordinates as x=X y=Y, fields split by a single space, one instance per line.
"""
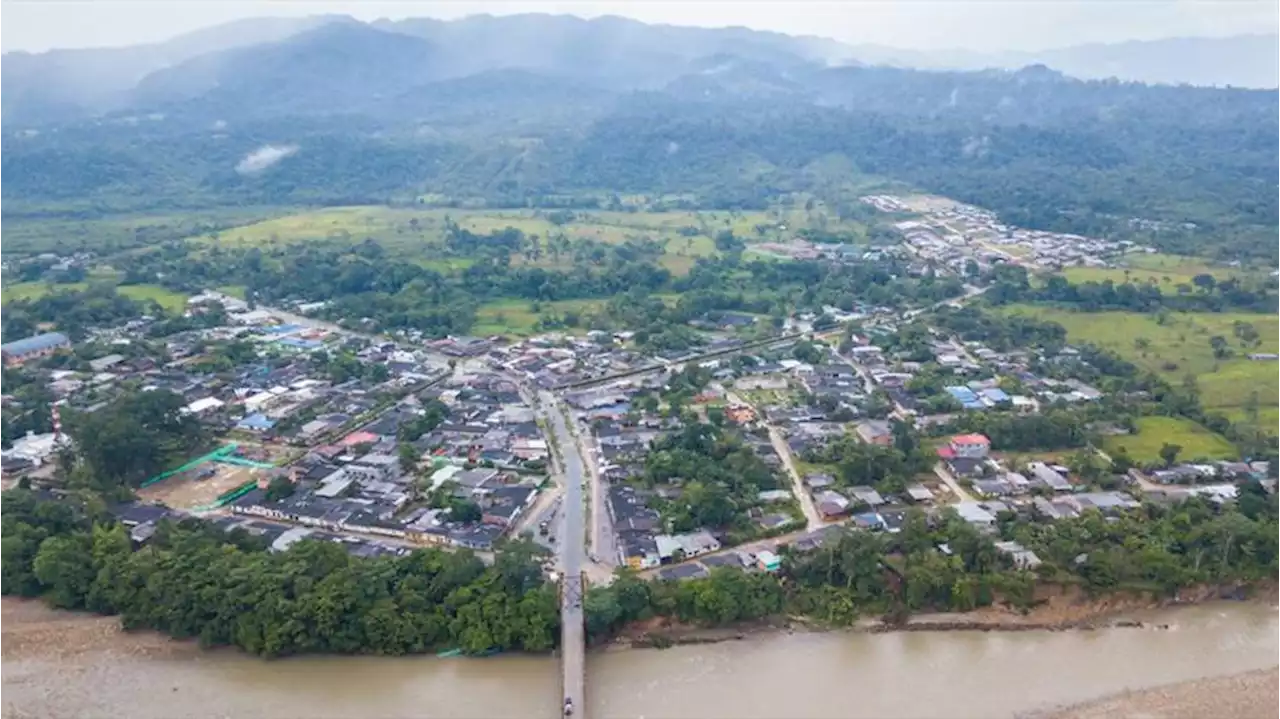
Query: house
x=919 y=494
x=867 y=496
x=43 y=345
x=1046 y=476
x=831 y=503
x=768 y=561
x=973 y=513
x=679 y=547
x=1023 y=558
x=102 y=364
x=875 y=431
x=818 y=481
x=967 y=446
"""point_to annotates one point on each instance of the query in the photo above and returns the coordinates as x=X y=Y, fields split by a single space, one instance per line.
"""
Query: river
x=74 y=666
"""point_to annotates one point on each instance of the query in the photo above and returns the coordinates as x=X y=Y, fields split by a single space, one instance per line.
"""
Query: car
x=568 y=706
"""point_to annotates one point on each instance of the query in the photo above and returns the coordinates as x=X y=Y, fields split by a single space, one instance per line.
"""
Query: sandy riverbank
x=31 y=630
x=1252 y=695
x=1059 y=610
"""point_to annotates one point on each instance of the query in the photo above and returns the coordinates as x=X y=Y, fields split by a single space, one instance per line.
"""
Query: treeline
x=192 y=581
x=1052 y=429
x=999 y=332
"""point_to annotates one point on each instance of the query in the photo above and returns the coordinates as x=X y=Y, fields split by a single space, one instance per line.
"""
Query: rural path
x=949 y=479
x=812 y=518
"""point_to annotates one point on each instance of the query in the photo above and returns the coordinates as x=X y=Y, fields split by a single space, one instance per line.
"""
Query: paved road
x=604 y=547
x=572 y=622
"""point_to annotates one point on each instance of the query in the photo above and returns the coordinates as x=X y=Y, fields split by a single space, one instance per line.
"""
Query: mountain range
x=335 y=64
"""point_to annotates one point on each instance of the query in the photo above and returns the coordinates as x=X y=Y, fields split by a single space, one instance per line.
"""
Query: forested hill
x=353 y=113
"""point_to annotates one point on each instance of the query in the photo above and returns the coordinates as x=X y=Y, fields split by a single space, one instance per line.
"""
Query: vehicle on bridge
x=568 y=706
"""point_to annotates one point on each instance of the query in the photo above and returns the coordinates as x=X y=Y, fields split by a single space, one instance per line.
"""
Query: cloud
x=263 y=158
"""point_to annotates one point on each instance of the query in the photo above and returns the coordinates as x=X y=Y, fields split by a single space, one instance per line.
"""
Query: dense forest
x=192 y=581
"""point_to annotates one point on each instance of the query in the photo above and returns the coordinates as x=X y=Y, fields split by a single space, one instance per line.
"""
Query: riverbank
x=59 y=665
x=1250 y=695
x=1063 y=609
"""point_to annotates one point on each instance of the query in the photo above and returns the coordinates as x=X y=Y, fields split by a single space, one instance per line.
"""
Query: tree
x=465 y=511
x=409 y=457
x=1169 y=453
x=279 y=487
x=64 y=564
x=1204 y=281
x=1220 y=348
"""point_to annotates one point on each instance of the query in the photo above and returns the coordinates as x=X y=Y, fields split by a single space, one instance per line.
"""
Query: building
x=768 y=561
x=15 y=353
x=966 y=446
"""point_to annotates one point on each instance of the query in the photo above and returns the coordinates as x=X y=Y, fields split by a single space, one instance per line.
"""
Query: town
x=387 y=443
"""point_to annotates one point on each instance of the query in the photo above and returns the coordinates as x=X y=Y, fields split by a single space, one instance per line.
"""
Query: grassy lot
x=1181 y=347
x=1166 y=272
x=1153 y=432
x=172 y=301
x=236 y=291
x=29 y=236
x=517 y=317
x=36 y=290
x=166 y=298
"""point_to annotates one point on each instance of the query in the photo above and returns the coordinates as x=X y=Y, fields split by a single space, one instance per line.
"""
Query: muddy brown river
x=59 y=665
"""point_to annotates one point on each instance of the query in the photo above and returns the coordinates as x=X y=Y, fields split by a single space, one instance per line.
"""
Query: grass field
x=1166 y=272
x=516 y=317
x=685 y=235
x=1181 y=347
x=29 y=236
x=166 y=298
x=1153 y=432
x=36 y=290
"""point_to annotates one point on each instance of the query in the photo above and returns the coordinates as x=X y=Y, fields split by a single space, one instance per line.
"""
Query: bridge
x=573 y=635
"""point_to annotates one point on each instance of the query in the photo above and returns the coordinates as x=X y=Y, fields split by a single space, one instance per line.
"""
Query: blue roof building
x=996 y=395
x=256 y=423
x=966 y=397
x=16 y=352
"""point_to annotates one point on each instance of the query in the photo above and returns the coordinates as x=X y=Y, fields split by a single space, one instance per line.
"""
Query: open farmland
x=1180 y=346
x=685 y=236
x=104 y=235
x=1169 y=273
x=1153 y=432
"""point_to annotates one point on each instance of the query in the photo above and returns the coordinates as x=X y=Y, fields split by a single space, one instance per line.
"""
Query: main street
x=572 y=621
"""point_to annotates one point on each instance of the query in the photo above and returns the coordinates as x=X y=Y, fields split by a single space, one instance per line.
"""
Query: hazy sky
x=926 y=24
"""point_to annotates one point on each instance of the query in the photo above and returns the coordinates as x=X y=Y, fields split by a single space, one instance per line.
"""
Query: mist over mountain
x=535 y=110
x=237 y=62
x=1239 y=61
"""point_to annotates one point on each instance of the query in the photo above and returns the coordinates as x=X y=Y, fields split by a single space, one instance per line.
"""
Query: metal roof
x=35 y=344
